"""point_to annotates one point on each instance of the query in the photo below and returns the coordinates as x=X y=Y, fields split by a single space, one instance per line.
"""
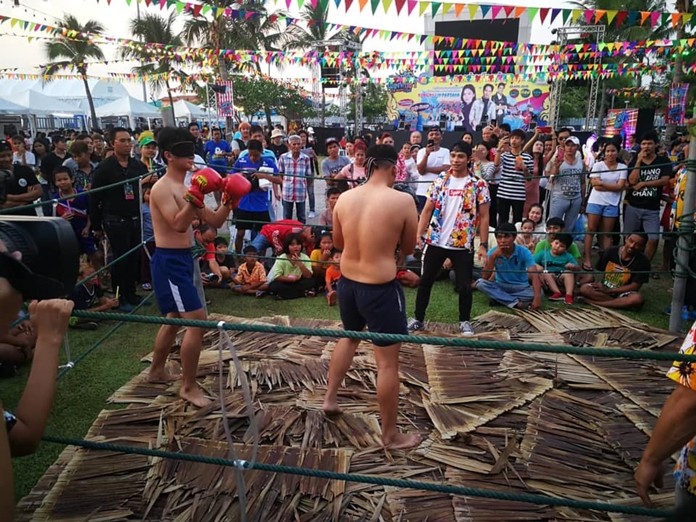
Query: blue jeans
x=310 y=195
x=287 y=210
x=566 y=209
x=261 y=244
x=508 y=295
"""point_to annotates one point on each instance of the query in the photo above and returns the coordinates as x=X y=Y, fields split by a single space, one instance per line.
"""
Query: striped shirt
x=512 y=182
x=297 y=170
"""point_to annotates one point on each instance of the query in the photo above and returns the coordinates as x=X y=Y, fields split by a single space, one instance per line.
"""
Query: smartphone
x=494 y=123
x=532 y=126
x=430 y=143
x=545 y=130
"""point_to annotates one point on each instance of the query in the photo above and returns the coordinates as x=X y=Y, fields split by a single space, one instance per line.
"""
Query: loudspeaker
x=330 y=77
x=645 y=122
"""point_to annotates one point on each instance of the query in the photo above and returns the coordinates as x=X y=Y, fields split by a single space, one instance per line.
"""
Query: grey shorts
x=637 y=219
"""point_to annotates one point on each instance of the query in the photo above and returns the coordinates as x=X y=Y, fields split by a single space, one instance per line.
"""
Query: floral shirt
x=473 y=194
x=685 y=374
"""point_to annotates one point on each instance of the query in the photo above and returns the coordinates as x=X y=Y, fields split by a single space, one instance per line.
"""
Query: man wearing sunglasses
x=174 y=207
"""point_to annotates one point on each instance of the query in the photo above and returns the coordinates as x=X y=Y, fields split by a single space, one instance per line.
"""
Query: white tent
x=186 y=109
x=8 y=107
x=38 y=104
x=129 y=107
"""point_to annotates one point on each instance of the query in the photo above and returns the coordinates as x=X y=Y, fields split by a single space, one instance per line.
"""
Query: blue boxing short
x=382 y=308
x=172 y=280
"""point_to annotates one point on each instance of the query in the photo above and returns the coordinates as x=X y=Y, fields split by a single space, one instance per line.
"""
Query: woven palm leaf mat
x=511 y=421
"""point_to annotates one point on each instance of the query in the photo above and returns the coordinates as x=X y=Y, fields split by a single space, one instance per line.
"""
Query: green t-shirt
x=282 y=267
x=545 y=245
x=552 y=263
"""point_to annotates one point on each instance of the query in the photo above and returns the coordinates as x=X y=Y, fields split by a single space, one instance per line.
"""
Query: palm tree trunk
x=218 y=27
x=90 y=100
x=171 y=99
x=678 y=71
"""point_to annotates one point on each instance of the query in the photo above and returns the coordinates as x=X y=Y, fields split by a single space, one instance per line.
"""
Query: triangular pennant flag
x=676 y=17
x=473 y=9
x=458 y=9
x=567 y=13
x=554 y=15
x=348 y=4
x=589 y=15
x=422 y=8
x=686 y=18
x=484 y=10
x=575 y=14
x=532 y=12
x=399 y=5
x=362 y=4
x=611 y=14
x=411 y=5
x=599 y=13
x=374 y=4
x=446 y=7
x=519 y=11
x=620 y=18
x=632 y=17
x=655 y=18
x=543 y=13
x=435 y=7
x=644 y=15
x=385 y=3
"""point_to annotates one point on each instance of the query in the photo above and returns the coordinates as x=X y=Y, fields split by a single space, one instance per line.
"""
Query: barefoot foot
x=162 y=376
x=195 y=396
x=331 y=408
x=402 y=441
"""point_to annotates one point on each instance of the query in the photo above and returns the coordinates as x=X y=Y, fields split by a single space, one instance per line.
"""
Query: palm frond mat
x=512 y=421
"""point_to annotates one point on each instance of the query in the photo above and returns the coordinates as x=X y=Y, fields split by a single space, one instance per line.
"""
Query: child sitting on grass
x=554 y=226
x=291 y=276
x=558 y=266
x=224 y=259
x=526 y=237
x=89 y=296
x=333 y=274
x=320 y=258
x=251 y=275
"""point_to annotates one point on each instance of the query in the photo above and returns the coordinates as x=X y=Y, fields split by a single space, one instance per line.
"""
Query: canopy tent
x=186 y=109
x=37 y=104
x=8 y=107
x=130 y=107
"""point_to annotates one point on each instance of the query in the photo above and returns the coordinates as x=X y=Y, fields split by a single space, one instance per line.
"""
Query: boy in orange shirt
x=333 y=274
x=251 y=276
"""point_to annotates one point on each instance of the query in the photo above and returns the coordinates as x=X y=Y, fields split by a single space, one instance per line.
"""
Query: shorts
x=87 y=244
x=610 y=211
x=382 y=308
x=640 y=219
x=242 y=217
x=172 y=279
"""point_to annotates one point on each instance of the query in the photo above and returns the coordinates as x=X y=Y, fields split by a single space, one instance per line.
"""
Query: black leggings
x=504 y=206
x=462 y=264
x=291 y=290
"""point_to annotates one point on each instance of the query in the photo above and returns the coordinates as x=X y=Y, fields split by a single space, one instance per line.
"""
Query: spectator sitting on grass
x=332 y=275
x=620 y=284
x=89 y=296
x=291 y=276
x=321 y=258
x=558 y=265
x=224 y=259
x=555 y=225
x=508 y=271
x=251 y=275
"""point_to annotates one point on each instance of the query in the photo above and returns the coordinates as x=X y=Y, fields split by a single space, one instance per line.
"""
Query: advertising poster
x=466 y=105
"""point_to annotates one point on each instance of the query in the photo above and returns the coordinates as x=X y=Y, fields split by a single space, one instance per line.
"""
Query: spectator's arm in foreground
x=675 y=427
x=50 y=319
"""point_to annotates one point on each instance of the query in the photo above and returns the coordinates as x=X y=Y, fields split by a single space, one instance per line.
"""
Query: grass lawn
x=83 y=391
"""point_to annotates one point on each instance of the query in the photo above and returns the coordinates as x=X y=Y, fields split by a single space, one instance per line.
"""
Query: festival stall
x=130 y=109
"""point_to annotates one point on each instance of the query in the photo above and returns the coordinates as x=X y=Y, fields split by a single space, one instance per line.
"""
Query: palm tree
x=260 y=32
x=152 y=28
x=73 y=54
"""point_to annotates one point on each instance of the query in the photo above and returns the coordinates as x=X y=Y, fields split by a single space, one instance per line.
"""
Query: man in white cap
x=277 y=145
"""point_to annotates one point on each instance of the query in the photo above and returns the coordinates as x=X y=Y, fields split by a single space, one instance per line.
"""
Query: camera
x=49 y=250
x=211 y=278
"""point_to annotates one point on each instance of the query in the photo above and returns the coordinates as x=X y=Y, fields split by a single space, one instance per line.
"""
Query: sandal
x=587 y=268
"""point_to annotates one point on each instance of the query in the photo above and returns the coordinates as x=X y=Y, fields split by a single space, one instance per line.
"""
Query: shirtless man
x=173 y=209
x=368 y=292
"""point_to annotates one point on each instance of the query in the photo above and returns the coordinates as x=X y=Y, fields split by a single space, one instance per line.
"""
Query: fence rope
x=472 y=344
x=529 y=498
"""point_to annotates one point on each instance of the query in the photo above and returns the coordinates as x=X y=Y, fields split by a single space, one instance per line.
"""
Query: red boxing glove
x=203 y=181
x=235 y=187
